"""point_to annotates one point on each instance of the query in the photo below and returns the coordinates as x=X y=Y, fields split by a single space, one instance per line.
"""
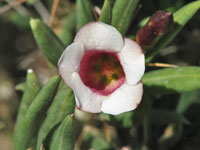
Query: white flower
x=103 y=69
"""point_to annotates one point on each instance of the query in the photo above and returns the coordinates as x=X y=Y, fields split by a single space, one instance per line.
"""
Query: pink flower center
x=101 y=71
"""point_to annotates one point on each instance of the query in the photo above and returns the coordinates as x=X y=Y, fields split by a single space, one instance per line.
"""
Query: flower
x=103 y=69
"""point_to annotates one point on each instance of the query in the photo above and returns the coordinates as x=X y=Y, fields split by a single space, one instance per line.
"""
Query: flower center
x=101 y=71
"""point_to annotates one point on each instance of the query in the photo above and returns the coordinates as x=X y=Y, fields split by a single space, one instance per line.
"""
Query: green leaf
x=48 y=42
x=181 y=17
x=186 y=100
x=123 y=12
x=63 y=138
x=32 y=88
x=35 y=114
x=106 y=14
x=62 y=105
x=20 y=21
x=181 y=79
x=68 y=29
x=84 y=13
x=143 y=22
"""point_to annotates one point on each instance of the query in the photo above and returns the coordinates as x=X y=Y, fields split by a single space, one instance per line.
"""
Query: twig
x=11 y=5
x=42 y=11
x=53 y=11
x=161 y=65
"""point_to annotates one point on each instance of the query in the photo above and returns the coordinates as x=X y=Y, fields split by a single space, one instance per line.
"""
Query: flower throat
x=101 y=71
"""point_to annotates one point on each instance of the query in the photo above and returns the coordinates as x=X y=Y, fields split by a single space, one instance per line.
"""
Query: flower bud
x=158 y=24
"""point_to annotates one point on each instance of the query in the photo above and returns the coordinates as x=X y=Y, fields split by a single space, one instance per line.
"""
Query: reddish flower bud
x=158 y=24
x=145 y=36
x=162 y=21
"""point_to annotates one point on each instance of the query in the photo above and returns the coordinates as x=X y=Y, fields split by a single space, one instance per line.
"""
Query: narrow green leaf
x=106 y=14
x=62 y=105
x=35 y=114
x=181 y=17
x=123 y=12
x=181 y=79
x=84 y=13
x=20 y=21
x=143 y=22
x=63 y=138
x=32 y=88
x=68 y=29
x=186 y=100
x=48 y=42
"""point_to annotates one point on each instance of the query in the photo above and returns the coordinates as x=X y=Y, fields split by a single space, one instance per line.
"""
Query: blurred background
x=19 y=51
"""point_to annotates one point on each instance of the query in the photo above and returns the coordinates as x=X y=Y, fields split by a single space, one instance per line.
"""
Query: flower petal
x=100 y=36
x=132 y=60
x=124 y=99
x=86 y=100
x=70 y=60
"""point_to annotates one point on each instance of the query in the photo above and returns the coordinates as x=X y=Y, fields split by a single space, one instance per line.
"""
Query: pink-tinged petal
x=133 y=61
x=86 y=100
x=70 y=60
x=100 y=36
x=124 y=99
